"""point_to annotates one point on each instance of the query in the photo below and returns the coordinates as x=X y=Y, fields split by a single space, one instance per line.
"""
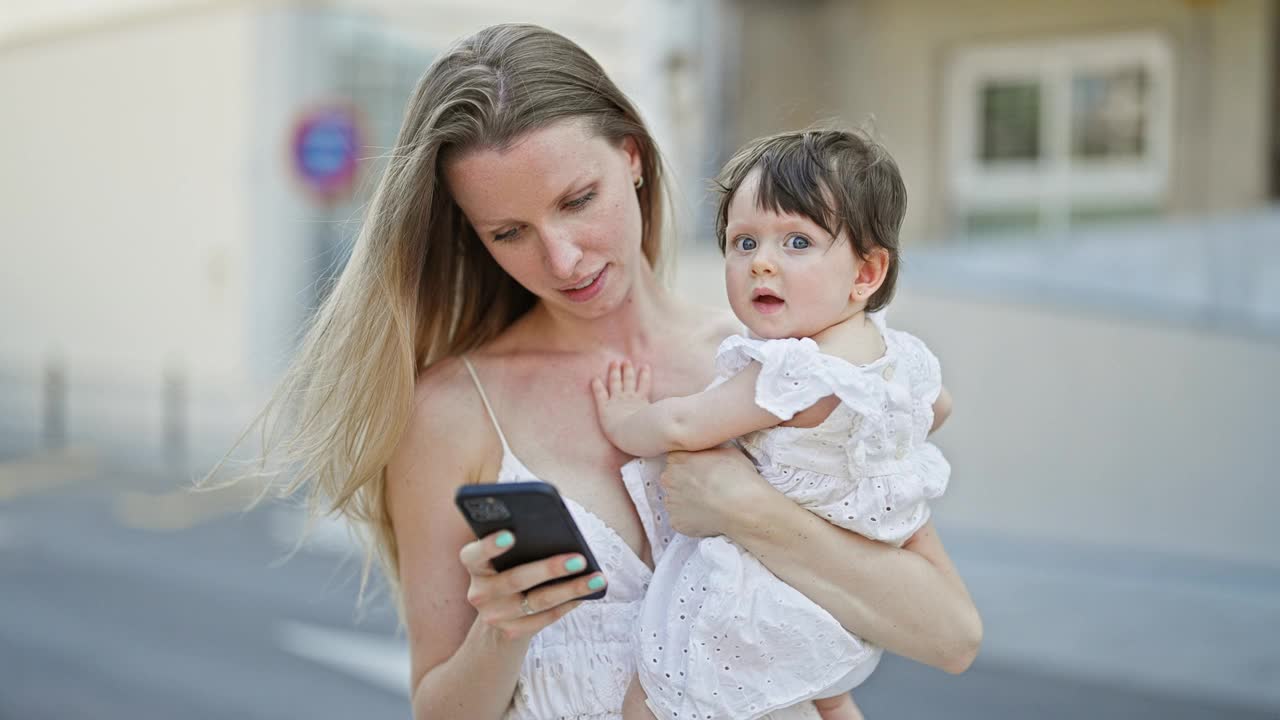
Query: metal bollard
x=55 y=403
x=174 y=417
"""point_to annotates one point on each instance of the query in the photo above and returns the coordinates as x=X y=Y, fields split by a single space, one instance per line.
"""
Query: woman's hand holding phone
x=508 y=602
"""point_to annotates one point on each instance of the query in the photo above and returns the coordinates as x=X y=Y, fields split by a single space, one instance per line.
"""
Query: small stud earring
x=639 y=182
x=861 y=290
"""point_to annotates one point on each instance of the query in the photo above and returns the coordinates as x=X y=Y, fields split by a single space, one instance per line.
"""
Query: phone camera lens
x=489 y=509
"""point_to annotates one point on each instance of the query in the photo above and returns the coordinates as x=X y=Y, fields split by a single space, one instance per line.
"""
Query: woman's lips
x=580 y=295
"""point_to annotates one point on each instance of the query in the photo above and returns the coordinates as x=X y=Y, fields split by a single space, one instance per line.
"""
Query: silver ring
x=524 y=604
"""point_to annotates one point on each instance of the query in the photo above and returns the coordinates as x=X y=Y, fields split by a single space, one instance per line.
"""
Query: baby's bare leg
x=633 y=707
x=839 y=707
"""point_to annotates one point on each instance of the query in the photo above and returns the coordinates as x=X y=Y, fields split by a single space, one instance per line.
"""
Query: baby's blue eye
x=797 y=242
x=745 y=244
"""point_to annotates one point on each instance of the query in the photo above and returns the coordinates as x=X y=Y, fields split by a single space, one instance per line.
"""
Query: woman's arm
x=468 y=634
x=909 y=600
x=642 y=428
x=941 y=409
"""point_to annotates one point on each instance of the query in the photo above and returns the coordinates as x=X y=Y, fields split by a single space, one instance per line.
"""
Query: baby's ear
x=871 y=271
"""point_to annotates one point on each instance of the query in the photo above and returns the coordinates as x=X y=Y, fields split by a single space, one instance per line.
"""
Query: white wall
x=121 y=173
x=25 y=20
x=149 y=217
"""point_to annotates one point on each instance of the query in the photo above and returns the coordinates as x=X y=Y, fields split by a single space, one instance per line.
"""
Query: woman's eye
x=506 y=234
x=797 y=242
x=580 y=202
x=745 y=244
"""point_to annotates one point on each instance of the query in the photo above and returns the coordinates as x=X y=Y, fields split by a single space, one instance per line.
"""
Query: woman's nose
x=563 y=253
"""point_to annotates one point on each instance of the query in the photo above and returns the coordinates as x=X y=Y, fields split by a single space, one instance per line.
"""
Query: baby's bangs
x=794 y=180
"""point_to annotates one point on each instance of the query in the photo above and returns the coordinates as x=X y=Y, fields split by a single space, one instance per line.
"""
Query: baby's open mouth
x=766 y=301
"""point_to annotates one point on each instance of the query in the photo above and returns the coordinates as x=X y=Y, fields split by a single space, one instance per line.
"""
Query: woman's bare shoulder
x=445 y=379
x=446 y=425
x=445 y=388
x=711 y=324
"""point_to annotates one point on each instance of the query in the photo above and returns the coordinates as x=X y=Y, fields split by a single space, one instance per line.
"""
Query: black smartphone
x=536 y=514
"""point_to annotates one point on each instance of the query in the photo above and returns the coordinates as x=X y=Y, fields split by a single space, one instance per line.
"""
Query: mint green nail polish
x=575 y=564
x=504 y=539
x=596 y=583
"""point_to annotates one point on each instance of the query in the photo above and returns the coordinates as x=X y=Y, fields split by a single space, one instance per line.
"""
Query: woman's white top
x=579 y=667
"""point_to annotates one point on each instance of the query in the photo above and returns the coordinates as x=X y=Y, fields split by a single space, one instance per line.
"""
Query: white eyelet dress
x=579 y=667
x=720 y=635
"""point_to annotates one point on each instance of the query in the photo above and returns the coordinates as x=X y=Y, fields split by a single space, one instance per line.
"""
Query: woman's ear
x=632 y=149
x=871 y=272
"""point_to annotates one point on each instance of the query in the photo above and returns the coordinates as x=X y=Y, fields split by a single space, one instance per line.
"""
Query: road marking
x=376 y=659
x=326 y=534
x=8 y=535
x=183 y=508
x=46 y=471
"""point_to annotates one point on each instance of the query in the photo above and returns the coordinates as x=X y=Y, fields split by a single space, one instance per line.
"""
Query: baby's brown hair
x=840 y=179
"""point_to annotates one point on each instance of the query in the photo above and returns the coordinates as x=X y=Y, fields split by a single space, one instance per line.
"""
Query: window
x=1050 y=135
x=376 y=70
x=1010 y=121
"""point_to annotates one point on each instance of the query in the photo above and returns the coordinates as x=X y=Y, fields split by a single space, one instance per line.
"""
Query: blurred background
x=1092 y=248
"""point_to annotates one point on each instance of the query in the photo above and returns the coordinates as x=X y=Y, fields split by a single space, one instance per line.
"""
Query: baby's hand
x=626 y=392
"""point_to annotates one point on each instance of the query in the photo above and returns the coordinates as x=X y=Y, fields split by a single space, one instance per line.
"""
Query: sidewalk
x=1173 y=625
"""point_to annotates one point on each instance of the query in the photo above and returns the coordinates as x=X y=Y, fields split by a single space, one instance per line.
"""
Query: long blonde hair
x=419 y=285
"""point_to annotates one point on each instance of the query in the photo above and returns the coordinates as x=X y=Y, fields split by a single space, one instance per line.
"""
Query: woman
x=509 y=255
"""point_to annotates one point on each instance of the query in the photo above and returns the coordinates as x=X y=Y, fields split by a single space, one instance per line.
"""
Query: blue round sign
x=325 y=143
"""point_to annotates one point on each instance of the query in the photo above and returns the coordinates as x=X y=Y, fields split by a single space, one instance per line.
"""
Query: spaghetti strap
x=488 y=408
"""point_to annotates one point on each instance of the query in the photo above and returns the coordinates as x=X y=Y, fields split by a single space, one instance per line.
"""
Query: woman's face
x=559 y=213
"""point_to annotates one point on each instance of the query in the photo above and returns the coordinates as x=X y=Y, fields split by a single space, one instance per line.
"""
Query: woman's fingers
x=488 y=586
x=523 y=577
x=527 y=625
x=549 y=598
x=476 y=556
x=505 y=601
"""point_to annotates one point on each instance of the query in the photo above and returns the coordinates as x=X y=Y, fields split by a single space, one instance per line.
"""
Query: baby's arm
x=695 y=422
x=941 y=409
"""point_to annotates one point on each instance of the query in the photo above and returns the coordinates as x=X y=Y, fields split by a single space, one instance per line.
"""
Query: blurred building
x=1092 y=243
x=157 y=224
x=1027 y=116
x=155 y=217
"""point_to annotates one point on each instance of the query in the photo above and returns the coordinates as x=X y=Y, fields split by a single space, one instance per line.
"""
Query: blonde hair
x=419 y=285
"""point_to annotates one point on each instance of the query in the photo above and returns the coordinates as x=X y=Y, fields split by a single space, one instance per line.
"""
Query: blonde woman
x=510 y=252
